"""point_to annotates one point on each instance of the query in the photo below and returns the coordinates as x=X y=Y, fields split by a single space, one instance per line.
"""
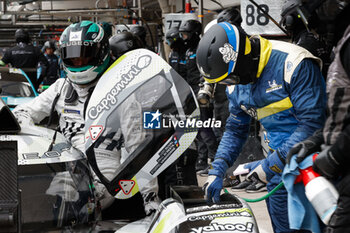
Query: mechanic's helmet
x=172 y=36
x=124 y=42
x=231 y=15
x=211 y=23
x=219 y=54
x=84 y=51
x=22 y=35
x=139 y=31
x=289 y=15
x=49 y=45
x=189 y=29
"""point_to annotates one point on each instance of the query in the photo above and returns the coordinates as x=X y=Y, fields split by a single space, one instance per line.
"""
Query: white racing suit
x=71 y=123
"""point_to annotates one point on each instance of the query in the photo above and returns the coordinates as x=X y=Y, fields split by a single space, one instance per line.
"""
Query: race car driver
x=277 y=83
x=85 y=54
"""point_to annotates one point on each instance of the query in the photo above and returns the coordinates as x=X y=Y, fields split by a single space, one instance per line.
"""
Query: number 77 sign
x=176 y=19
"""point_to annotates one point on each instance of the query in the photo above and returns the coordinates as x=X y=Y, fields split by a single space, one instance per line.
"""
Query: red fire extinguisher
x=320 y=192
x=188 y=6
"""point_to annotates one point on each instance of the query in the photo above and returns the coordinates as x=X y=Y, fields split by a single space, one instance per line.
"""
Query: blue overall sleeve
x=236 y=133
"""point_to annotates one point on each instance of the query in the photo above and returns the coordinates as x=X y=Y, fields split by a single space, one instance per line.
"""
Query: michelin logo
x=273 y=86
x=228 y=53
x=151 y=120
x=229 y=227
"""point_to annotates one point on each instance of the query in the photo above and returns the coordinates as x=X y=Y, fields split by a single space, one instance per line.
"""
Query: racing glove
x=326 y=164
x=23 y=118
x=309 y=146
x=258 y=173
x=151 y=202
x=102 y=195
x=212 y=188
x=265 y=169
x=250 y=166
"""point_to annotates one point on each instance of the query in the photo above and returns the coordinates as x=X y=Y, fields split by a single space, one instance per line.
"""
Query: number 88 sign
x=256 y=22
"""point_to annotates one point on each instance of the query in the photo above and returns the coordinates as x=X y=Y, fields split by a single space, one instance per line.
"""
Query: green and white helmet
x=84 y=51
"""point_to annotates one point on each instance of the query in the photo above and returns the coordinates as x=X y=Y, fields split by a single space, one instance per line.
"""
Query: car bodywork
x=53 y=190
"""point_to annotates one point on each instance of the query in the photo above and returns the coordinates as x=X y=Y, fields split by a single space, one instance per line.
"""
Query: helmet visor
x=185 y=35
x=80 y=55
x=78 y=62
x=169 y=41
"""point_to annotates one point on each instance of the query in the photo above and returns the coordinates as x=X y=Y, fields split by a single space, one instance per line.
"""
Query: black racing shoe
x=241 y=186
x=230 y=181
x=256 y=186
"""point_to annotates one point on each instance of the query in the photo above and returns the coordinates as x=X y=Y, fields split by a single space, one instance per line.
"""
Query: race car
x=16 y=88
x=52 y=190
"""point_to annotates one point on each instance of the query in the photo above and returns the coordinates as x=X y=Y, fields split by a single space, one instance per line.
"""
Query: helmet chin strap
x=249 y=64
x=255 y=57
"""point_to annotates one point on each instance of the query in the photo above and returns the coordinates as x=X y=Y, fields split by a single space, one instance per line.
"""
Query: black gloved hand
x=305 y=148
x=302 y=149
x=326 y=164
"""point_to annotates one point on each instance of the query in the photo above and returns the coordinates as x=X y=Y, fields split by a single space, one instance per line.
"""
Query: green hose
x=263 y=197
x=44 y=87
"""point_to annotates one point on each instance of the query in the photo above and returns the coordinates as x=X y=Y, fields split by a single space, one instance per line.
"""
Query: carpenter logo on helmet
x=84 y=51
x=218 y=51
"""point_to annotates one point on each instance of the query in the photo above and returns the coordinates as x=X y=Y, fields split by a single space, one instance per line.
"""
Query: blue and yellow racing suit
x=289 y=100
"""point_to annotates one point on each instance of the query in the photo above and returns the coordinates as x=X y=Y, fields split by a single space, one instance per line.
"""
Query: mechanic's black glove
x=326 y=164
x=311 y=145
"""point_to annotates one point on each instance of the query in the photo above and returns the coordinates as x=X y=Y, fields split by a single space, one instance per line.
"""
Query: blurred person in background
x=53 y=70
x=190 y=32
x=25 y=55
